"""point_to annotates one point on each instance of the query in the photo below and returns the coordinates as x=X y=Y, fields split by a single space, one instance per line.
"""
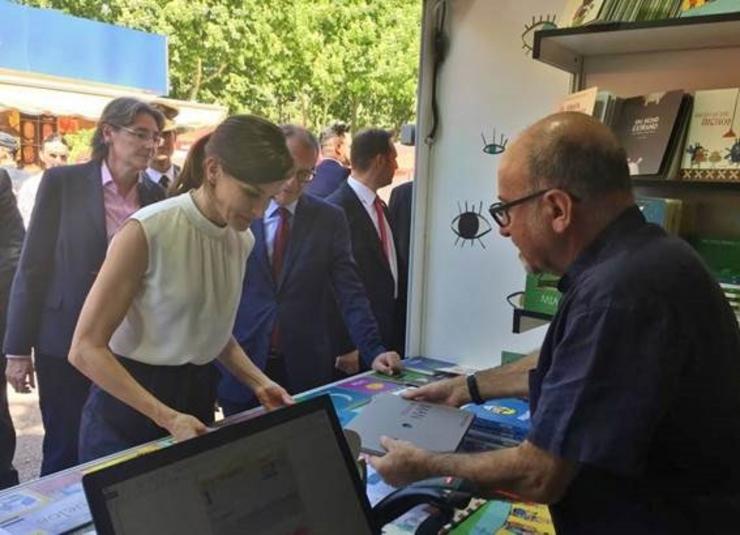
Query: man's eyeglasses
x=500 y=210
x=145 y=136
x=305 y=175
x=62 y=157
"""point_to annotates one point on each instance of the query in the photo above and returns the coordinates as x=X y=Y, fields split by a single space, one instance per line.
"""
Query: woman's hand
x=273 y=396
x=184 y=426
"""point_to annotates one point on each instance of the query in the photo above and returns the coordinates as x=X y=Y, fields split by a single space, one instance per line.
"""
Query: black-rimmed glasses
x=500 y=210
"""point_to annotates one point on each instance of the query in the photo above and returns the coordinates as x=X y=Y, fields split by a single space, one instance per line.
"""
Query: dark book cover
x=645 y=126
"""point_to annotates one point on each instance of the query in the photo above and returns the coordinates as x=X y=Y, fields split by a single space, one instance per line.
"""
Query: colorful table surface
x=57 y=504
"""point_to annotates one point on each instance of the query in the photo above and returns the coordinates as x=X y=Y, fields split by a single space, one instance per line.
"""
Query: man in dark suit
x=399 y=208
x=302 y=253
x=162 y=169
x=11 y=240
x=333 y=169
x=78 y=210
x=373 y=245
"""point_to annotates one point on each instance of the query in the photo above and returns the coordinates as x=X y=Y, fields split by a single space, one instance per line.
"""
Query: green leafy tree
x=304 y=61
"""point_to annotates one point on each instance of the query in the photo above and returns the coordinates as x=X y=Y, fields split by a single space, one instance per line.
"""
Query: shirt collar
x=624 y=224
x=156 y=175
x=106 y=175
x=366 y=195
x=272 y=208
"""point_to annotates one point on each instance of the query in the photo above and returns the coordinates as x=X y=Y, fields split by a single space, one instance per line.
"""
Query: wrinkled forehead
x=513 y=169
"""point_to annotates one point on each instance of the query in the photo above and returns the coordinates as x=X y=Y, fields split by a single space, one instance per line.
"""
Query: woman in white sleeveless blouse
x=163 y=305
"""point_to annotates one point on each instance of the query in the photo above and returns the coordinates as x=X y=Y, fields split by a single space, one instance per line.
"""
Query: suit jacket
x=399 y=207
x=373 y=269
x=64 y=248
x=176 y=168
x=330 y=174
x=318 y=260
x=11 y=240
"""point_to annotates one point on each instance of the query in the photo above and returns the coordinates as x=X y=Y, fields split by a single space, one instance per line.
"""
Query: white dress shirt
x=271 y=222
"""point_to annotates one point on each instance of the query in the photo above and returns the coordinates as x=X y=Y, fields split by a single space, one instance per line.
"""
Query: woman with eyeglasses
x=163 y=306
x=77 y=211
x=54 y=152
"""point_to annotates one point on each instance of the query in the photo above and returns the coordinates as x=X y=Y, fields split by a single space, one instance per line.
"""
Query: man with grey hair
x=78 y=209
x=302 y=259
x=8 y=150
x=636 y=393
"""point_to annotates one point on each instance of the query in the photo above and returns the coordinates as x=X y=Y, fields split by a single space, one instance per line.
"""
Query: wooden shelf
x=525 y=320
x=566 y=48
x=686 y=185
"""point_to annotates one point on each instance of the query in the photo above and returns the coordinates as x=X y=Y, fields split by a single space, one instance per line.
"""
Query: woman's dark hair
x=249 y=148
x=120 y=112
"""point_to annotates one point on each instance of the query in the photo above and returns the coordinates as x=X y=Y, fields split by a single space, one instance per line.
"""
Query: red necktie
x=280 y=245
x=380 y=213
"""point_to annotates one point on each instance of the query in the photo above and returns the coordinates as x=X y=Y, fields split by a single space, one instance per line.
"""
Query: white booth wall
x=457 y=307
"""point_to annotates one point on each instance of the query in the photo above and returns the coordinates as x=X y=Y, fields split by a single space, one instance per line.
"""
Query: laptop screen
x=287 y=472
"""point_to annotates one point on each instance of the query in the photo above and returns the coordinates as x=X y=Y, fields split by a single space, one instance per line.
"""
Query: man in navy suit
x=399 y=208
x=333 y=169
x=78 y=210
x=373 y=245
x=301 y=255
x=11 y=240
x=162 y=169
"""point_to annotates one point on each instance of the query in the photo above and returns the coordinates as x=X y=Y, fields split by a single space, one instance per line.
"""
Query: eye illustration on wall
x=548 y=23
x=470 y=225
x=494 y=147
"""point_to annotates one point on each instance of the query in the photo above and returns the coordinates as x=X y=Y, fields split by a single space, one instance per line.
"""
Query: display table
x=57 y=504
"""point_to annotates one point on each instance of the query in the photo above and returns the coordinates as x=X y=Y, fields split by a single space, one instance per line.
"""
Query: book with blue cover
x=508 y=417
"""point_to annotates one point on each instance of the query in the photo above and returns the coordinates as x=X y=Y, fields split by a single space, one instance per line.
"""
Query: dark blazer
x=64 y=248
x=399 y=206
x=373 y=269
x=318 y=260
x=11 y=240
x=330 y=174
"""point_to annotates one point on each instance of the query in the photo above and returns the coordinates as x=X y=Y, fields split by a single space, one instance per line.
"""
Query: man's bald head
x=573 y=152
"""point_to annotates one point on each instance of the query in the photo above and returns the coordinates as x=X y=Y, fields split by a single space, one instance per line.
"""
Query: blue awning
x=46 y=41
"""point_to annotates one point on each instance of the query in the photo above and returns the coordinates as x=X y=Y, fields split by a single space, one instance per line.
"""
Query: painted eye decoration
x=491 y=147
x=548 y=23
x=470 y=225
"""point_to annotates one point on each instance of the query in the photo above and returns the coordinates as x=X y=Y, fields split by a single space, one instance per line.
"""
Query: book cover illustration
x=645 y=127
x=580 y=12
x=698 y=8
x=371 y=385
x=665 y=212
x=712 y=151
x=343 y=399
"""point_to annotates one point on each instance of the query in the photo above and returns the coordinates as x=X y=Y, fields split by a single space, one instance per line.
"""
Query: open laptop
x=287 y=472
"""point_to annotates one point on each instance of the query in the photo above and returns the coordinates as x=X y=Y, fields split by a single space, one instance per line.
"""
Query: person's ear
x=212 y=170
x=559 y=206
x=107 y=133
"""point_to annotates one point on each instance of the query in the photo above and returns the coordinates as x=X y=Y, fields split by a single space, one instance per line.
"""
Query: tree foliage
x=304 y=61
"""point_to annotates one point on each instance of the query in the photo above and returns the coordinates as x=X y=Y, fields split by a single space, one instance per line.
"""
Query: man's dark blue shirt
x=638 y=382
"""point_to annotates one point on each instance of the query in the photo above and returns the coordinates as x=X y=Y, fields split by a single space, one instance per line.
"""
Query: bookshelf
x=637 y=58
x=567 y=48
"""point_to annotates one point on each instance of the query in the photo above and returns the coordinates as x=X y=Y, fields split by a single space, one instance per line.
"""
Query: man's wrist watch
x=473 y=389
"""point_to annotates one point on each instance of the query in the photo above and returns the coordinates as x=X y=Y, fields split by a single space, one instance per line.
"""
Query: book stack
x=581 y=12
x=712 y=148
x=599 y=104
x=731 y=287
x=499 y=423
x=652 y=129
x=662 y=211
